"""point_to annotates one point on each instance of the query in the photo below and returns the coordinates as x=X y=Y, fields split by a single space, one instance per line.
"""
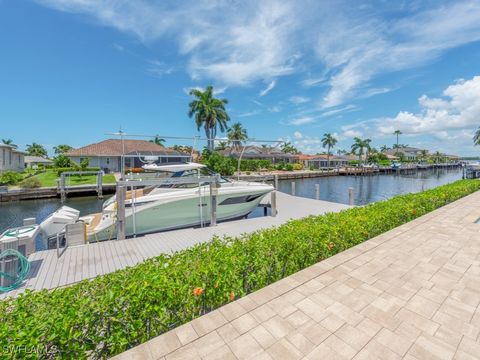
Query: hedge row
x=112 y=313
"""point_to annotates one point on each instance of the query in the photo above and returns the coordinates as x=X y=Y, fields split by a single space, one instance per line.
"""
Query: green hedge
x=60 y=170
x=112 y=313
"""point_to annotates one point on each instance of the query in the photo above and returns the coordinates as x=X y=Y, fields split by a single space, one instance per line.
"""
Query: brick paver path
x=411 y=293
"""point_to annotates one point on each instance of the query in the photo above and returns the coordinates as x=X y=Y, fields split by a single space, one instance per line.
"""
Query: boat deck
x=87 y=261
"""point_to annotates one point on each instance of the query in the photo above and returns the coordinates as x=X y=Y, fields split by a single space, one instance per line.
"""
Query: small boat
x=395 y=165
x=175 y=204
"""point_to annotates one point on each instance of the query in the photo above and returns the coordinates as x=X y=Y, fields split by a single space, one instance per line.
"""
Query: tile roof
x=113 y=147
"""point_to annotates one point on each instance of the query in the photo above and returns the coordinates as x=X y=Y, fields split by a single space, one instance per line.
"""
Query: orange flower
x=197 y=291
x=231 y=296
x=414 y=211
x=330 y=246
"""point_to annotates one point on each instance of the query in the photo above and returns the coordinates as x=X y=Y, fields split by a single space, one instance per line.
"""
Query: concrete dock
x=411 y=293
x=77 y=263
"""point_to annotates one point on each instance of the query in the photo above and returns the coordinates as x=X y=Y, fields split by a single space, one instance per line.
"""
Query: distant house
x=107 y=154
x=11 y=159
x=34 y=161
x=321 y=161
x=273 y=154
x=410 y=153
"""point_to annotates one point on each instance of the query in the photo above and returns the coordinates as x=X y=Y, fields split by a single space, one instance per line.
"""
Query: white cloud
x=249 y=113
x=274 y=109
x=458 y=110
x=216 y=90
x=269 y=88
x=302 y=120
x=297 y=100
x=158 y=68
x=239 y=43
x=297 y=135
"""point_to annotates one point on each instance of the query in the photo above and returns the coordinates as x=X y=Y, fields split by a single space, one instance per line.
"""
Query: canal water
x=367 y=189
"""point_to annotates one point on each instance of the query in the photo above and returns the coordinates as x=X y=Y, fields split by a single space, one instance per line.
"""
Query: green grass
x=49 y=178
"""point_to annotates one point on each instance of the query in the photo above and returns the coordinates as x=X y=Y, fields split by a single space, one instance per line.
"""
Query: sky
x=73 y=71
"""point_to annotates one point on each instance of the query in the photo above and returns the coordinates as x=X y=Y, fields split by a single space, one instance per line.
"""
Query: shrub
x=31 y=183
x=10 y=178
x=111 y=313
x=297 y=166
x=61 y=170
x=289 y=167
x=61 y=161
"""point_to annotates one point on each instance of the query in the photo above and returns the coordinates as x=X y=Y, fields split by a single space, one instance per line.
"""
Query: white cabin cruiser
x=174 y=204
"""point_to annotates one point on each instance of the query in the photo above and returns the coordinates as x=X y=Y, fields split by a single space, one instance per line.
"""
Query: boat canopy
x=174 y=167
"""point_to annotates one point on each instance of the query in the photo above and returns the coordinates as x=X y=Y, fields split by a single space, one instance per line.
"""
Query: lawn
x=49 y=178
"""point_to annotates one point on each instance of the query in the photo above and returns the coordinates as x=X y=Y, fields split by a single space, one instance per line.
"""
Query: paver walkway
x=411 y=293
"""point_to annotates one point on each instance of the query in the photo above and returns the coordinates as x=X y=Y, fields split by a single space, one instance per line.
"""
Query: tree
x=62 y=149
x=222 y=145
x=288 y=148
x=423 y=154
x=9 y=142
x=329 y=142
x=61 y=161
x=158 y=140
x=476 y=137
x=384 y=148
x=36 y=150
x=397 y=133
x=237 y=135
x=209 y=112
x=84 y=163
x=359 y=146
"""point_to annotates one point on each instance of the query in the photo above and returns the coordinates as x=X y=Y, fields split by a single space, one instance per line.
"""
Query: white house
x=107 y=154
x=410 y=153
x=34 y=161
x=11 y=159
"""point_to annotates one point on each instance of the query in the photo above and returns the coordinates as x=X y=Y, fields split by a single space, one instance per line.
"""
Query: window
x=108 y=161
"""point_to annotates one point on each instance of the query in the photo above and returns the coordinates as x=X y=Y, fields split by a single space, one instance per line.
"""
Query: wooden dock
x=77 y=263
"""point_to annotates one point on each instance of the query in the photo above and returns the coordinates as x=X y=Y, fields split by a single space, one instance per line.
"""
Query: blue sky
x=73 y=70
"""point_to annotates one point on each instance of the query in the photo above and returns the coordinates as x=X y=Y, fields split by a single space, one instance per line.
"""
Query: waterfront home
x=107 y=154
x=34 y=161
x=11 y=159
x=321 y=161
x=409 y=153
x=254 y=152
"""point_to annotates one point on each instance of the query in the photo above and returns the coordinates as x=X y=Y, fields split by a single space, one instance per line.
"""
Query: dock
x=48 y=271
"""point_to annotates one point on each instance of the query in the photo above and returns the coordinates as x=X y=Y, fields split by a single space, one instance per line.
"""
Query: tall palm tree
x=397 y=133
x=209 y=112
x=359 y=146
x=222 y=145
x=237 y=135
x=423 y=154
x=157 y=140
x=384 y=148
x=476 y=137
x=328 y=141
x=36 y=150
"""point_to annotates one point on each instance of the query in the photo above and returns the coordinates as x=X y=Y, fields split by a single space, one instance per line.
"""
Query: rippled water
x=335 y=188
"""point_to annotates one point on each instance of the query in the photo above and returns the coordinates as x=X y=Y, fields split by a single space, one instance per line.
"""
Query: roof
x=114 y=147
x=37 y=159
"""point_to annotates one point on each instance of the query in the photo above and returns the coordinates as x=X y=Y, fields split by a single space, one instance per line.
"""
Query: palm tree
x=36 y=150
x=209 y=112
x=359 y=146
x=397 y=133
x=423 y=154
x=288 y=148
x=237 y=135
x=222 y=145
x=9 y=142
x=329 y=142
x=384 y=148
x=158 y=140
x=476 y=137
x=62 y=149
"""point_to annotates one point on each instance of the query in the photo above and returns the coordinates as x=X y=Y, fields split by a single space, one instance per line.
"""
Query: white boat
x=176 y=205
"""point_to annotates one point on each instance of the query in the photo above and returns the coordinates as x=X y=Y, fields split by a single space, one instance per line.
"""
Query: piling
x=213 y=207
x=293 y=188
x=273 y=202
x=317 y=191
x=350 y=195
x=276 y=181
x=120 y=212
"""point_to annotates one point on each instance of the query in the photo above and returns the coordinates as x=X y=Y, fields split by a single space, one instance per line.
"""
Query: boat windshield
x=193 y=174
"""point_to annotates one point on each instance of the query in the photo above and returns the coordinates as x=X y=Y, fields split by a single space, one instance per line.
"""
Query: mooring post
x=213 y=203
x=63 y=195
x=100 y=185
x=317 y=191
x=273 y=202
x=120 y=212
x=350 y=195
x=275 y=177
x=293 y=188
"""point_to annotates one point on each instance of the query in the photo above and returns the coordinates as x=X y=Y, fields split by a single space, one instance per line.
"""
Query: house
x=321 y=161
x=254 y=152
x=409 y=153
x=34 y=161
x=11 y=159
x=107 y=154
